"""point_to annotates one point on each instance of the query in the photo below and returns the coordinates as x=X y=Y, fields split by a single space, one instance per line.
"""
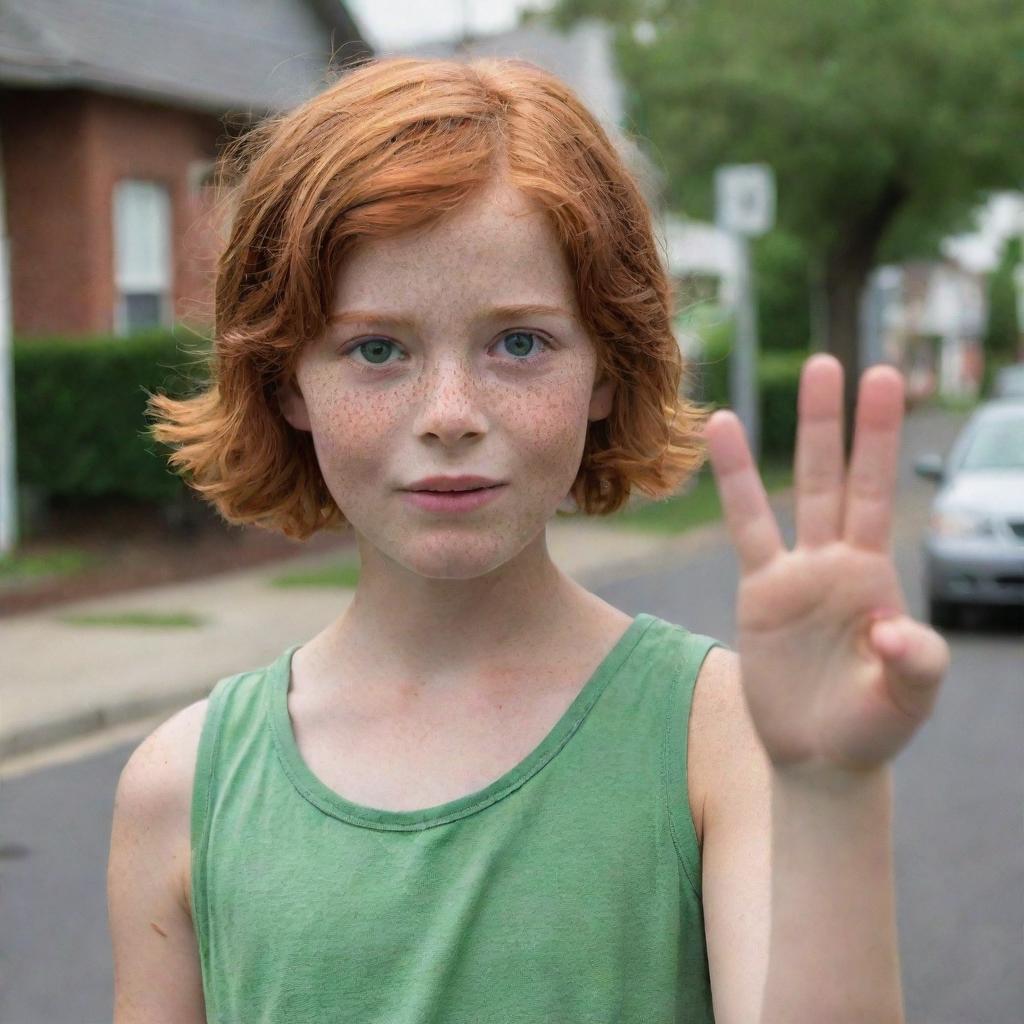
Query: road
x=959 y=834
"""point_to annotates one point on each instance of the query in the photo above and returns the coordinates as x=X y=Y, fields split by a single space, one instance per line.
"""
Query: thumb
x=916 y=658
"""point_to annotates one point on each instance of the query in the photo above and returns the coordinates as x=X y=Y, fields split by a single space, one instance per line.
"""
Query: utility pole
x=8 y=475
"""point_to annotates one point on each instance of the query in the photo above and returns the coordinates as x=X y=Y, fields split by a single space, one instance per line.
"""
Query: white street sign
x=745 y=198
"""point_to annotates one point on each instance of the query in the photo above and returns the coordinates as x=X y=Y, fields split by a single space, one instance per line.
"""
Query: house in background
x=111 y=118
x=932 y=316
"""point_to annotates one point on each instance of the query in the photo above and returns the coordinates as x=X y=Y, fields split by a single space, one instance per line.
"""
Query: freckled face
x=439 y=361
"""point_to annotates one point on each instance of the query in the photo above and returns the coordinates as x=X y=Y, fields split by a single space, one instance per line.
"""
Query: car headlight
x=960 y=522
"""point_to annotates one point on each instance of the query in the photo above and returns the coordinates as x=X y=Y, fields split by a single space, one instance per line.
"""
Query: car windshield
x=996 y=443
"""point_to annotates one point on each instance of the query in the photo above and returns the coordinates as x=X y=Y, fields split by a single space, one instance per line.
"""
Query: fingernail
x=889 y=638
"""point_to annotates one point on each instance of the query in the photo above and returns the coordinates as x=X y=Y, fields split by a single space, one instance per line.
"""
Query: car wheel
x=943 y=614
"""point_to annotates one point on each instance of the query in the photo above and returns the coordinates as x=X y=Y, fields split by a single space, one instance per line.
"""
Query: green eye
x=375 y=351
x=523 y=342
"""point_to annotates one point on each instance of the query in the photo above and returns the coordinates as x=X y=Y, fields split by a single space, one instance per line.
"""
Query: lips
x=448 y=502
x=456 y=490
x=453 y=483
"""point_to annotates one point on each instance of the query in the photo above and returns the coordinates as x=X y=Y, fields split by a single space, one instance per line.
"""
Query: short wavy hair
x=392 y=145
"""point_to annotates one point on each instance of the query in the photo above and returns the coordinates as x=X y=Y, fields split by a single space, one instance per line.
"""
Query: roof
x=258 y=55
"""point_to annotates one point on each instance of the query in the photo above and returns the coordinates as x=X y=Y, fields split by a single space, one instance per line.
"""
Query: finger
x=871 y=481
x=819 y=470
x=916 y=659
x=749 y=518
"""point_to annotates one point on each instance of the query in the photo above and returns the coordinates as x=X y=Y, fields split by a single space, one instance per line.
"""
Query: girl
x=483 y=793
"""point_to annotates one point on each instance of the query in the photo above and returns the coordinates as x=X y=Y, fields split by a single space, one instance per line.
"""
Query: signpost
x=745 y=207
x=8 y=478
x=1018 y=283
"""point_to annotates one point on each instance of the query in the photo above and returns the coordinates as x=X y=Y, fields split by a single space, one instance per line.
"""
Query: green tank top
x=566 y=890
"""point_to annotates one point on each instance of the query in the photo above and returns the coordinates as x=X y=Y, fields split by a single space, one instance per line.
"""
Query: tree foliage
x=884 y=122
x=846 y=101
x=1003 y=334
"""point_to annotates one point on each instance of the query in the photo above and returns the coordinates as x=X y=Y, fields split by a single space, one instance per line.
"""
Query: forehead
x=498 y=247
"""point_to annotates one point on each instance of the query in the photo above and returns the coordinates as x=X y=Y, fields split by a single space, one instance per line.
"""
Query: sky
x=1000 y=218
x=394 y=23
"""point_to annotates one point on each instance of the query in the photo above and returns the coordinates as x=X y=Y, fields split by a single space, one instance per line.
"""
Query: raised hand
x=837 y=676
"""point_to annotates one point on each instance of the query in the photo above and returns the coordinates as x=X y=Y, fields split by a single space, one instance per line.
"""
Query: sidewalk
x=60 y=681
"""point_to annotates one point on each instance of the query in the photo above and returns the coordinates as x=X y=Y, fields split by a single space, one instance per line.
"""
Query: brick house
x=111 y=116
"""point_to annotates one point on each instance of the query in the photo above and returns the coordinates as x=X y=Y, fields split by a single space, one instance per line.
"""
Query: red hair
x=393 y=145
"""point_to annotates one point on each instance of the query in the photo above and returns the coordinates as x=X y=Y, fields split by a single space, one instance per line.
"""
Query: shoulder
x=157 y=968
x=154 y=791
x=165 y=759
x=724 y=752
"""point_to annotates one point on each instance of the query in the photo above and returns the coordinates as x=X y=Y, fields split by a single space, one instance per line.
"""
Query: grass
x=64 y=562
x=697 y=506
x=335 y=574
x=953 y=403
x=160 y=620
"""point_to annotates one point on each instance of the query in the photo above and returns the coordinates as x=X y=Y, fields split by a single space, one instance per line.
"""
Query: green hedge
x=80 y=412
x=778 y=384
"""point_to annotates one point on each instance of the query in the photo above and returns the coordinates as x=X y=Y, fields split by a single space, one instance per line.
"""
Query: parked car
x=974 y=547
x=1009 y=382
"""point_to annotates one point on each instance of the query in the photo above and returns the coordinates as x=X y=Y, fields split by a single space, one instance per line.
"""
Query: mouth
x=454 y=501
x=460 y=490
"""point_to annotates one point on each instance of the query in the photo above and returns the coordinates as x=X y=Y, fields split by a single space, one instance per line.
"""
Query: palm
x=821 y=691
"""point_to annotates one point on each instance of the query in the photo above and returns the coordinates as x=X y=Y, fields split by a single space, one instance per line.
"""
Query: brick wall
x=63 y=152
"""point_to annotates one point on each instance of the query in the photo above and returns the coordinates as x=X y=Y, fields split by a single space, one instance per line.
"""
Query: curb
x=33 y=739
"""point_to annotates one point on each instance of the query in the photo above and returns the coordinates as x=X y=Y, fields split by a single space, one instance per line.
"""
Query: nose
x=450 y=408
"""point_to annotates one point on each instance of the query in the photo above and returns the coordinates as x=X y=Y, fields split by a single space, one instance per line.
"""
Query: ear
x=601 y=400
x=293 y=405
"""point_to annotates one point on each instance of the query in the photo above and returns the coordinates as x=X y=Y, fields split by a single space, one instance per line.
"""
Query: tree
x=884 y=122
x=1002 y=336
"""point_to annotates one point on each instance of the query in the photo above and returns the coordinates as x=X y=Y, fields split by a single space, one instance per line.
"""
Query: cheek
x=550 y=419
x=350 y=427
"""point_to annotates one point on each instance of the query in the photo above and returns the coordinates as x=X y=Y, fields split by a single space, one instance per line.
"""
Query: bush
x=778 y=385
x=783 y=293
x=80 y=412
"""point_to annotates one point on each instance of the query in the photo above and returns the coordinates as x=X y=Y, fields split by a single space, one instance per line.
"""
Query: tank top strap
x=233 y=722
x=680 y=659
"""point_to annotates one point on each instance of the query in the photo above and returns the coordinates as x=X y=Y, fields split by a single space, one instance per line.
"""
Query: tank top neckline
x=334 y=804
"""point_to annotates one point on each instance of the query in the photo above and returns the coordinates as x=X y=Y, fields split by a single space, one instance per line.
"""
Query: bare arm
x=727 y=767
x=834 y=953
x=157 y=977
x=797 y=880
x=837 y=679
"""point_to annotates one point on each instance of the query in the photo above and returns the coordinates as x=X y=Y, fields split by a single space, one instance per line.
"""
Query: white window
x=142 y=255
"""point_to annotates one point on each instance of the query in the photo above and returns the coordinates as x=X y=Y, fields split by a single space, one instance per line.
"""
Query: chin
x=447 y=553
x=458 y=558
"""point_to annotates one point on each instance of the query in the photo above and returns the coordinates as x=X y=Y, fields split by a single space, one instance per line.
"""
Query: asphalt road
x=959 y=833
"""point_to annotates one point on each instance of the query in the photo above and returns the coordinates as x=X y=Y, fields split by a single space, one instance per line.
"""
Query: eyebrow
x=350 y=316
